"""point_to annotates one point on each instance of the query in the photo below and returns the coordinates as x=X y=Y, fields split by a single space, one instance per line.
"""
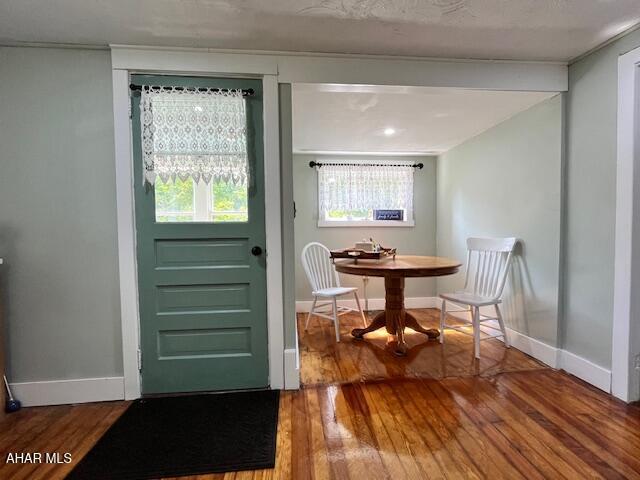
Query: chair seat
x=334 y=291
x=467 y=298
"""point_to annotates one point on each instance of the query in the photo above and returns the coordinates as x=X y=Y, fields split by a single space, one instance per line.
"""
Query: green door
x=201 y=279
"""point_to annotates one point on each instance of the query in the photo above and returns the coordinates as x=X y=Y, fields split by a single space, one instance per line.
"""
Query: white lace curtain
x=198 y=134
x=364 y=187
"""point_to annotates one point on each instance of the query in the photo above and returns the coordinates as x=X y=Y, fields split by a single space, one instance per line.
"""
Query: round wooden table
x=395 y=318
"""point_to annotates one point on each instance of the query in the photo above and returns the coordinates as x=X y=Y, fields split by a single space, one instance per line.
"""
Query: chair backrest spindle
x=488 y=263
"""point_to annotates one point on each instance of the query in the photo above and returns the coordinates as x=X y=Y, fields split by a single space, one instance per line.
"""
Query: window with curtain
x=354 y=194
x=194 y=146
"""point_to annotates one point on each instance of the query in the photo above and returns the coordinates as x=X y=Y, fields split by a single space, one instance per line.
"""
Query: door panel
x=220 y=253
x=202 y=293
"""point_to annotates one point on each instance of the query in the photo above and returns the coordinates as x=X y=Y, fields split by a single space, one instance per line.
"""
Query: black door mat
x=186 y=435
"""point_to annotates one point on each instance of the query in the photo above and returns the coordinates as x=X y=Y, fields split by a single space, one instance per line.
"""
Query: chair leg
x=313 y=306
x=364 y=319
x=336 y=322
x=501 y=322
x=443 y=314
x=476 y=331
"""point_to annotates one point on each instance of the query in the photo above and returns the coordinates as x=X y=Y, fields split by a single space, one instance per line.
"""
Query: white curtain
x=363 y=187
x=198 y=134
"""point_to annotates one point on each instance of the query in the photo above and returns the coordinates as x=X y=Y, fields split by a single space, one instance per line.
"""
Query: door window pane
x=174 y=201
x=229 y=202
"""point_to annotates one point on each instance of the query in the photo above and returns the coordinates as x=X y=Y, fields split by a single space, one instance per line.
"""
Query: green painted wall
x=58 y=214
x=507 y=182
x=591 y=201
x=418 y=240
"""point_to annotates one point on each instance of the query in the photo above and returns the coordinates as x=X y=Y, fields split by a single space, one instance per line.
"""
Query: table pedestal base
x=395 y=318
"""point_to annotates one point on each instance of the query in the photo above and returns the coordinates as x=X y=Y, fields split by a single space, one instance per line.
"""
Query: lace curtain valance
x=365 y=187
x=198 y=134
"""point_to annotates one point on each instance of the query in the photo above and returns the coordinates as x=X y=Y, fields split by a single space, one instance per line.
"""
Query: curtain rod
x=249 y=92
x=313 y=164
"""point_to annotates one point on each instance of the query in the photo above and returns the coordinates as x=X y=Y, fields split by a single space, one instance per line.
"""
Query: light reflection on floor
x=323 y=361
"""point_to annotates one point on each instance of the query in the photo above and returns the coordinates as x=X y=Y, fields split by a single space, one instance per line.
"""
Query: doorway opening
x=489 y=166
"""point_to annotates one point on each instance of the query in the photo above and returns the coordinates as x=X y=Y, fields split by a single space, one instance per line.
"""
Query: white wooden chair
x=488 y=263
x=324 y=280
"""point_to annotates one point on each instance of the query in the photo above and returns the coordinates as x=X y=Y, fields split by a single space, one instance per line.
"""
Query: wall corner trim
x=624 y=381
x=60 y=392
x=291 y=369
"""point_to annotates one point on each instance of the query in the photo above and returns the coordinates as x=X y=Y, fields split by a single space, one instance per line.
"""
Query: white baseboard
x=561 y=359
x=582 y=368
x=59 y=392
x=535 y=348
x=558 y=358
x=291 y=369
x=374 y=303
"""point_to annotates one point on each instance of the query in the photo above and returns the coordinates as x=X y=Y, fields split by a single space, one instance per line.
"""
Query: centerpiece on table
x=365 y=250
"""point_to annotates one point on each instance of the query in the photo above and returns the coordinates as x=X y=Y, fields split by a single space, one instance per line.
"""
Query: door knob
x=256 y=251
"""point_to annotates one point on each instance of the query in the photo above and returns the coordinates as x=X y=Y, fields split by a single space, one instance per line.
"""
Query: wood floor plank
x=322 y=445
x=602 y=420
x=419 y=436
x=467 y=398
x=284 y=442
x=325 y=361
x=358 y=441
x=605 y=456
x=481 y=453
x=421 y=402
x=527 y=435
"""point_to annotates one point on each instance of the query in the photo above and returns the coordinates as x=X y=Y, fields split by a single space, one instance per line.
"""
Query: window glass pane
x=187 y=201
x=229 y=202
x=174 y=201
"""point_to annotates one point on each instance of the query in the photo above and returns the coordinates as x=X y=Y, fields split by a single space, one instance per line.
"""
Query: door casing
x=126 y=223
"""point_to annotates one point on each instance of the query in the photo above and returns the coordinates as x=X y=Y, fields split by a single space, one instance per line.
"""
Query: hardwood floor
x=323 y=361
x=488 y=421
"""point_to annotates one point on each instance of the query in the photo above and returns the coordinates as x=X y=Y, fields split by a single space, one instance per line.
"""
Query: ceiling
x=556 y=30
x=353 y=118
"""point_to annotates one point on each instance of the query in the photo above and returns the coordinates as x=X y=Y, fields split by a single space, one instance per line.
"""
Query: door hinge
x=139 y=360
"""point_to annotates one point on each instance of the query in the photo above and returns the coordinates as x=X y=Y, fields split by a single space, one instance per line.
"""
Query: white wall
x=507 y=182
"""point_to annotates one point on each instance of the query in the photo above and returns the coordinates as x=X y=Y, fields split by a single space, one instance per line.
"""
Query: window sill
x=366 y=223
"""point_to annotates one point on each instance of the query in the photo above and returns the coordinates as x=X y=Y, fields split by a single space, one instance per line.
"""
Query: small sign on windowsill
x=388 y=215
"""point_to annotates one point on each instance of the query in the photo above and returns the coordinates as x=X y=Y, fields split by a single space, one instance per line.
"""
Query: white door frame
x=130 y=315
x=626 y=332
